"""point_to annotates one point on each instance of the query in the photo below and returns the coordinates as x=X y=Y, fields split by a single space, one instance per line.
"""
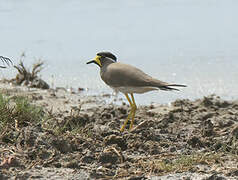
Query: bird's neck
x=105 y=66
x=106 y=62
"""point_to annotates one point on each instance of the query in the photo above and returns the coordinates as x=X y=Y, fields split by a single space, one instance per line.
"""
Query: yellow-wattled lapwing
x=128 y=80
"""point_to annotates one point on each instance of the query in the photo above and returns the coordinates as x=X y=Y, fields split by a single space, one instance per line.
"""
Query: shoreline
x=81 y=139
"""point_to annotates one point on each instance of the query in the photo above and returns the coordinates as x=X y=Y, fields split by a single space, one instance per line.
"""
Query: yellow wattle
x=97 y=60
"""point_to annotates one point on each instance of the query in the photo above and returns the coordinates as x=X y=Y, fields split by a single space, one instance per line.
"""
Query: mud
x=81 y=140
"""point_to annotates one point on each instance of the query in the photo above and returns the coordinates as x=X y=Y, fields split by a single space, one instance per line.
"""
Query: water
x=193 y=42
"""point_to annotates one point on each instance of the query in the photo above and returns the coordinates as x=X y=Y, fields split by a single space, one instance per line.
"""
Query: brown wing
x=119 y=74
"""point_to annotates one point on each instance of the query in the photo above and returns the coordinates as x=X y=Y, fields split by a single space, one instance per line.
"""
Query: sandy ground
x=80 y=139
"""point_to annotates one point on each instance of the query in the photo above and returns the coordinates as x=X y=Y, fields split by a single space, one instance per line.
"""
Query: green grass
x=26 y=112
x=5 y=112
x=18 y=112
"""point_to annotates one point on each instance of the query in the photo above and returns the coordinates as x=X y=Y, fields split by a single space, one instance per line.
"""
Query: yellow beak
x=96 y=60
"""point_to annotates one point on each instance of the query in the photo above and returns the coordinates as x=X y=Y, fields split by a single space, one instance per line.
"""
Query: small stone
x=108 y=157
x=215 y=177
x=113 y=139
x=172 y=149
x=195 y=142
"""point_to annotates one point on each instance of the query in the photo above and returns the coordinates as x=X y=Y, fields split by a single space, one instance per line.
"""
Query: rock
x=39 y=83
x=108 y=156
x=195 y=142
x=88 y=157
x=208 y=128
x=172 y=149
x=215 y=177
x=118 y=140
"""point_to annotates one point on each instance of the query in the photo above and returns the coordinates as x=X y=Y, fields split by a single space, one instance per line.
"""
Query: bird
x=128 y=79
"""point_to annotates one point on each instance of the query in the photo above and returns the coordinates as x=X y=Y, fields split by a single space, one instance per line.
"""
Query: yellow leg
x=128 y=117
x=134 y=107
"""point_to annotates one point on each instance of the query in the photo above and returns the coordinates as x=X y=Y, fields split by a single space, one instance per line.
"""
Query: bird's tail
x=168 y=87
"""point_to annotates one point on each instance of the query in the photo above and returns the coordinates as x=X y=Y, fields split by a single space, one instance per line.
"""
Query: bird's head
x=103 y=57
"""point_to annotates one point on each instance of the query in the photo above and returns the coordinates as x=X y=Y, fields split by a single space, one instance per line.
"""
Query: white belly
x=138 y=90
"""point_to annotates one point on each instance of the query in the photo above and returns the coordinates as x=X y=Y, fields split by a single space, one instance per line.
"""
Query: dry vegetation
x=5 y=60
x=28 y=77
x=16 y=113
x=194 y=136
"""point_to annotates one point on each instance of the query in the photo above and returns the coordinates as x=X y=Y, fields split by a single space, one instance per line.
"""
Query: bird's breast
x=131 y=89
